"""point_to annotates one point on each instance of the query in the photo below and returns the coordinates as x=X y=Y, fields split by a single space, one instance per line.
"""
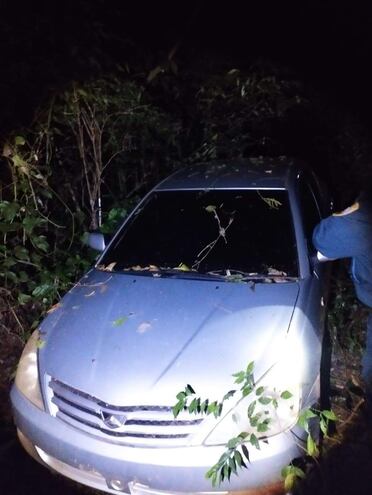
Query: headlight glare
x=271 y=408
x=27 y=377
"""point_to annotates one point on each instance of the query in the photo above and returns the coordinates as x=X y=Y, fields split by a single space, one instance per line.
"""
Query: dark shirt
x=349 y=235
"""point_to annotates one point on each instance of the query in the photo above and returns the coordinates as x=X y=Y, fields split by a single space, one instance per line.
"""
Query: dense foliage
x=98 y=145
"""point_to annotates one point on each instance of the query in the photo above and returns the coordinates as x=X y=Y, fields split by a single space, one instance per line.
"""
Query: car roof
x=248 y=173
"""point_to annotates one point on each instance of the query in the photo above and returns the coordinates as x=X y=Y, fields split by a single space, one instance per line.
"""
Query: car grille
x=137 y=425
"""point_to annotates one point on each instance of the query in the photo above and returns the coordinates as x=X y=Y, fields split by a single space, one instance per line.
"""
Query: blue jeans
x=367 y=361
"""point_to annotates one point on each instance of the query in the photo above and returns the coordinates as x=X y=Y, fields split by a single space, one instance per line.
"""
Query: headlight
x=272 y=407
x=27 y=377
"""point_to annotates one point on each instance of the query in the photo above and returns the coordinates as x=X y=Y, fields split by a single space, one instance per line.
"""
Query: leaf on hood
x=144 y=327
x=119 y=321
x=183 y=267
x=110 y=267
x=40 y=343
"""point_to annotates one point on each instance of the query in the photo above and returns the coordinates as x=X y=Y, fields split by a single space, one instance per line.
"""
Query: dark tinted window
x=214 y=230
x=310 y=212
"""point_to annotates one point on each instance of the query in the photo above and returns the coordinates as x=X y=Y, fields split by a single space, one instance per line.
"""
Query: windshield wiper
x=167 y=272
x=233 y=275
x=189 y=274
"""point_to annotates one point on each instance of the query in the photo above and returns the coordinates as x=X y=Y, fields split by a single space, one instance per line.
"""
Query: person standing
x=349 y=235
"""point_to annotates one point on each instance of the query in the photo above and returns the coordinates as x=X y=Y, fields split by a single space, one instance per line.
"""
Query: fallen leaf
x=183 y=267
x=136 y=268
x=144 y=327
x=119 y=321
x=110 y=267
x=153 y=268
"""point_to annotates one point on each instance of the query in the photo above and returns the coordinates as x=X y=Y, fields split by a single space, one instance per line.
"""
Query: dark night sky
x=44 y=44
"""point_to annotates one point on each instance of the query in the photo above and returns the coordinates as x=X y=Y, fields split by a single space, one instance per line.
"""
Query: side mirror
x=96 y=241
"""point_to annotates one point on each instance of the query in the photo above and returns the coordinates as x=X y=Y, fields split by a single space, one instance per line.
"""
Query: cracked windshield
x=235 y=234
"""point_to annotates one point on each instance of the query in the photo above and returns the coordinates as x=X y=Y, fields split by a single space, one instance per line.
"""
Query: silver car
x=213 y=269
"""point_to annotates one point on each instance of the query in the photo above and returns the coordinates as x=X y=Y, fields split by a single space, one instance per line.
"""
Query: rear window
x=246 y=230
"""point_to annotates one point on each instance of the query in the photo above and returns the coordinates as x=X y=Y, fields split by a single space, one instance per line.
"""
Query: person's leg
x=367 y=362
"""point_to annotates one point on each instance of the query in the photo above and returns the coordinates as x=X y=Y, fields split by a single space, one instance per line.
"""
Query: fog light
x=117 y=485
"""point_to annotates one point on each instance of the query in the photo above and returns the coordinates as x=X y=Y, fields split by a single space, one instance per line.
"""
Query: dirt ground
x=344 y=469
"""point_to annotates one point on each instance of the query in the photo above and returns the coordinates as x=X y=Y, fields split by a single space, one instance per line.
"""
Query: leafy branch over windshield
x=221 y=234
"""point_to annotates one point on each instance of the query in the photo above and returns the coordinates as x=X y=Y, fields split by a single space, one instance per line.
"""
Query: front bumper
x=116 y=468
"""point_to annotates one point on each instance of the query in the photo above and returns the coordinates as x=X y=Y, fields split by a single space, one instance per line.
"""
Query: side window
x=310 y=211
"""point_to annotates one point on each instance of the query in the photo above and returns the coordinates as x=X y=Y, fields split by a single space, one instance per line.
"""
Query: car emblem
x=113 y=421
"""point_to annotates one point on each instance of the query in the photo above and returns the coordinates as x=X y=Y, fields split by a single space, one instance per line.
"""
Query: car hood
x=139 y=339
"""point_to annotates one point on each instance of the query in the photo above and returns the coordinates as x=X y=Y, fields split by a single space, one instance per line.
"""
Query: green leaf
x=20 y=140
x=311 y=447
x=10 y=276
x=210 y=208
x=204 y=406
x=40 y=242
x=289 y=482
x=239 y=459
x=30 y=222
x=329 y=415
x=293 y=470
x=303 y=419
x=180 y=395
x=239 y=377
x=233 y=442
x=189 y=390
x=8 y=211
x=21 y=253
x=227 y=471
x=212 y=408
x=263 y=427
x=254 y=420
x=254 y=441
x=232 y=463
x=246 y=452
x=246 y=390
x=119 y=321
x=251 y=408
x=228 y=395
x=264 y=400
x=286 y=395
x=323 y=424
x=24 y=298
x=260 y=390
x=42 y=290
x=193 y=405
x=177 y=408
x=250 y=368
